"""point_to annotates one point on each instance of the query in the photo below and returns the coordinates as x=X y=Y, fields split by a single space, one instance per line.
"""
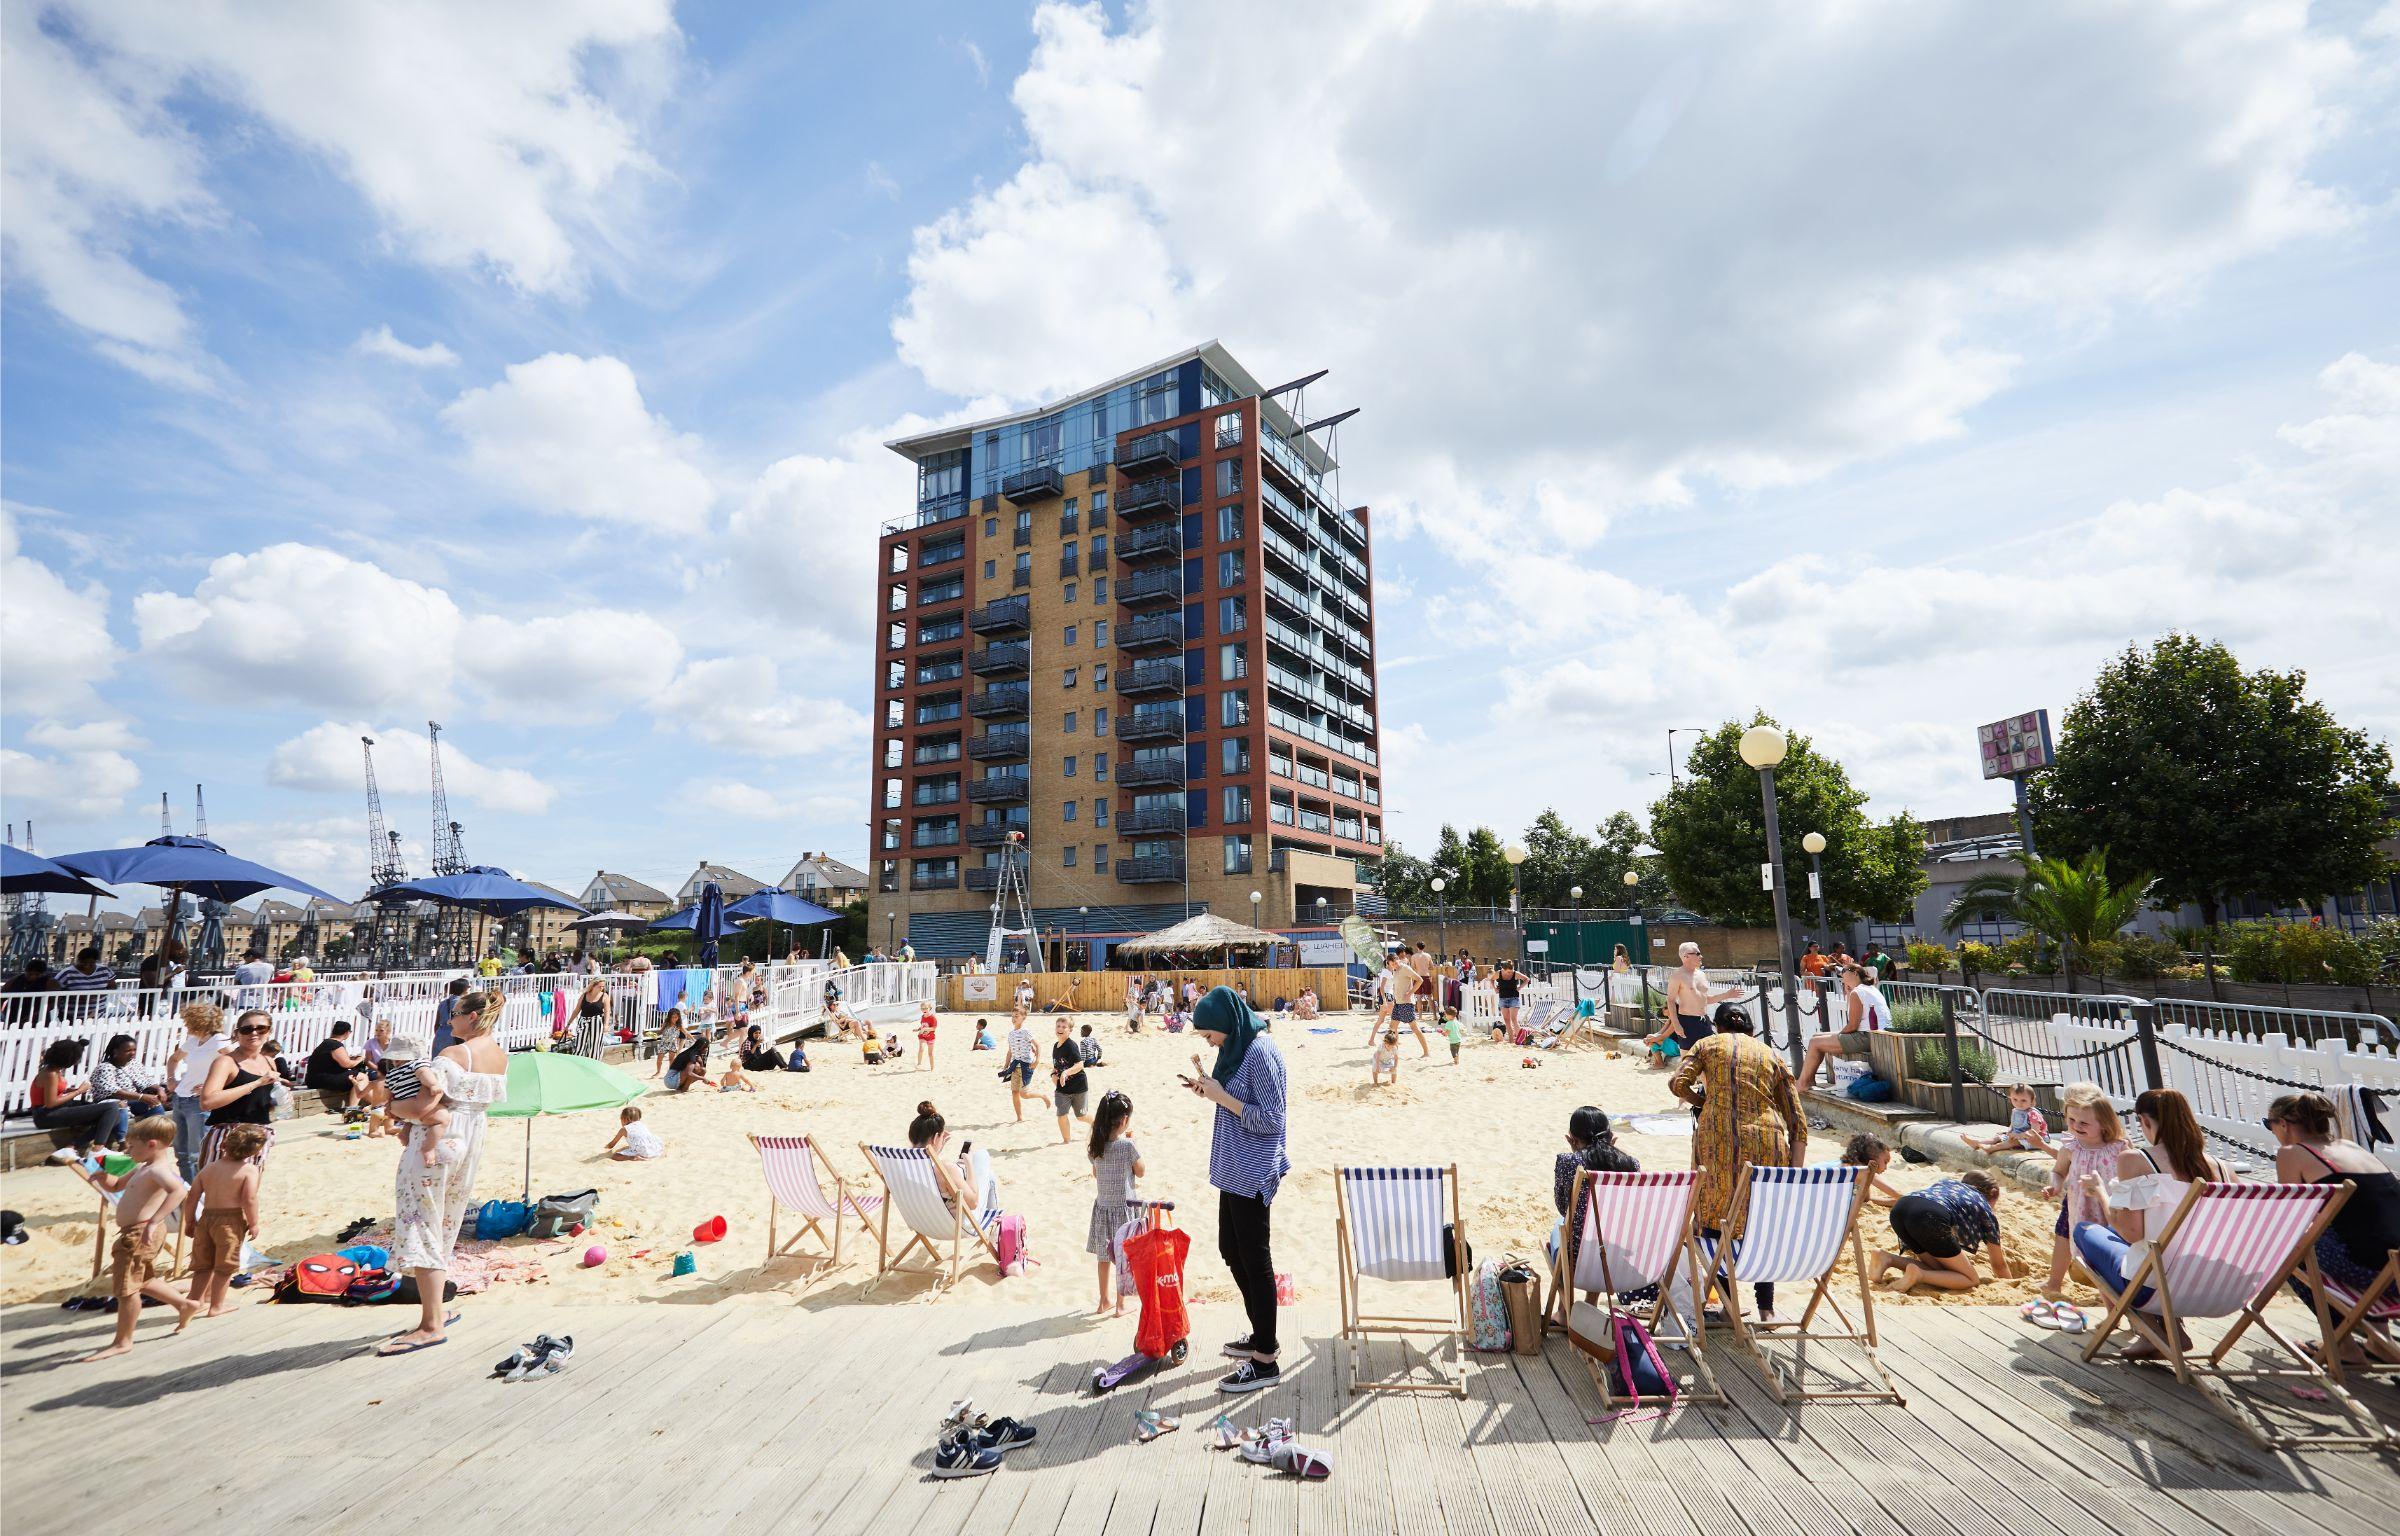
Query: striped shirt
x=1020 y=1045
x=400 y=1080
x=76 y=979
x=1245 y=1151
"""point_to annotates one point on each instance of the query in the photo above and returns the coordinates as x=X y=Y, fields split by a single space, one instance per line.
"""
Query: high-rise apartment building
x=1134 y=626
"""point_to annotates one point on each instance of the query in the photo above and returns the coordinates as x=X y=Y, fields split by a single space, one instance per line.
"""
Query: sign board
x=1325 y=952
x=2016 y=746
x=979 y=987
x=1537 y=946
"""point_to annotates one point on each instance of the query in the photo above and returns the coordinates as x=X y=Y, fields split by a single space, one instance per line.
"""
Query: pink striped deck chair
x=796 y=1172
x=2365 y=1317
x=1636 y=1231
x=2225 y=1252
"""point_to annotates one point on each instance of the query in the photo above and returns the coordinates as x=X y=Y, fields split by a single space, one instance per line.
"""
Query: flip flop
x=2071 y=1320
x=383 y=1353
x=1149 y=1424
x=2042 y=1314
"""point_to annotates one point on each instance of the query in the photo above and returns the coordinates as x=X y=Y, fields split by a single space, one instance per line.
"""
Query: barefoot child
x=2028 y=1130
x=634 y=1141
x=1455 y=1031
x=925 y=1033
x=2095 y=1141
x=221 y=1214
x=1867 y=1150
x=1386 y=1063
x=734 y=1079
x=1116 y=1163
x=144 y=1197
x=1939 y=1228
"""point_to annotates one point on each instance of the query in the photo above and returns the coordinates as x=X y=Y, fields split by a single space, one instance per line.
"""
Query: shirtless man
x=1429 y=992
x=1689 y=997
x=1409 y=989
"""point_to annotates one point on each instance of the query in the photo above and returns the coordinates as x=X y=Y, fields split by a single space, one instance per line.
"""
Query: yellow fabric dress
x=1749 y=1115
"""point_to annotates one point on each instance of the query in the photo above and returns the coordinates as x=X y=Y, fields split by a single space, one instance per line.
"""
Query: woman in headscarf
x=1246 y=1162
x=1749 y=1113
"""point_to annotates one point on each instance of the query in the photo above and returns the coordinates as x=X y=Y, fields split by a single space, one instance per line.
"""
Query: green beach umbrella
x=551 y=1083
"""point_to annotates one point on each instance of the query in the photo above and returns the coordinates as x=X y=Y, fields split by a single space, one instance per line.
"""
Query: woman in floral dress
x=472 y=1076
x=1749 y=1113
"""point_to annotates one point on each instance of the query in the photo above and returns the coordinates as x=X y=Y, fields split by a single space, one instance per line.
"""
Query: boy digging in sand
x=144 y=1197
x=221 y=1214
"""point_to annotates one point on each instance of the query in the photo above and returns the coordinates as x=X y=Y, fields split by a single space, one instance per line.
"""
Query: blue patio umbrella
x=688 y=921
x=710 y=923
x=482 y=888
x=21 y=870
x=185 y=864
x=777 y=906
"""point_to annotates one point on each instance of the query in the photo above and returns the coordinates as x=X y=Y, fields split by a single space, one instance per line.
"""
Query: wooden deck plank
x=1507 y=1484
x=1416 y=1498
x=1467 y=1507
x=1623 y=1492
x=827 y=1435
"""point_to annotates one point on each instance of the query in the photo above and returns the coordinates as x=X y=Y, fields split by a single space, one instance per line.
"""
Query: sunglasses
x=252 y=1029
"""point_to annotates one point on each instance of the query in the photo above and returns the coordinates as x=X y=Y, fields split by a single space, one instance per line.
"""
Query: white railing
x=880 y=994
x=1479 y=1001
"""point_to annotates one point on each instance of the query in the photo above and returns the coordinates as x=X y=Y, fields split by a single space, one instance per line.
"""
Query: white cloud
x=589 y=664
x=729 y=797
x=305 y=625
x=329 y=758
x=54 y=640
x=735 y=702
x=1575 y=257
x=81 y=774
x=802 y=539
x=571 y=435
x=380 y=342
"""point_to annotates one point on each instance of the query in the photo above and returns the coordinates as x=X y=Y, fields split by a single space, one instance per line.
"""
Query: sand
x=1500 y=1122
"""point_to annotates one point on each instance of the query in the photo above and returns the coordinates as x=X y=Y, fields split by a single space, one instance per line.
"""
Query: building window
x=1237 y=804
x=1229 y=568
x=948 y=590
x=1235 y=754
x=1100 y=766
x=895 y=674
x=934 y=711
x=1229 y=477
x=1066 y=857
x=1229 y=522
x=1100 y=819
x=1068 y=771
x=932 y=631
x=895 y=712
x=1233 y=614
x=1229 y=429
x=1066 y=555
x=1100 y=633
x=936 y=831
x=891 y=833
x=1099 y=589
x=1068 y=677
x=1100 y=677
x=1099 y=722
x=1068 y=522
x=898 y=597
x=891 y=753
x=1022 y=576
x=1024 y=532
x=896 y=637
x=1070 y=727
x=1070 y=639
x=1099 y=855
x=1099 y=507
x=899 y=558
x=1066 y=810
x=1233 y=661
x=991 y=527
x=1237 y=855
x=941 y=669
x=891 y=794
x=1233 y=709
x=1099 y=551
x=1070 y=591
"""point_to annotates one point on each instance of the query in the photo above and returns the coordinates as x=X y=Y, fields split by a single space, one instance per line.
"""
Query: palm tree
x=2071 y=902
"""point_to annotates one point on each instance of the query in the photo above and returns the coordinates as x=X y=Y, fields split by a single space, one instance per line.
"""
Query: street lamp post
x=1815 y=844
x=1515 y=854
x=1633 y=903
x=1441 y=913
x=1763 y=747
x=890 y=919
x=1575 y=895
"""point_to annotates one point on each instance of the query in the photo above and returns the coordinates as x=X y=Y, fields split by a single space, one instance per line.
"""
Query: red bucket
x=710 y=1230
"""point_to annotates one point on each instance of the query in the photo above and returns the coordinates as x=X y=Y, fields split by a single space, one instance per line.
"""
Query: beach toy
x=686 y=1264
x=710 y=1230
x=594 y=1256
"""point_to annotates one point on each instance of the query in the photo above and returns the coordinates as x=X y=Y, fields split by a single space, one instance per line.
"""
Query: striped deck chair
x=1399 y=1224
x=1636 y=1230
x=910 y=1187
x=2225 y=1252
x=1794 y=1224
x=796 y=1170
x=2365 y=1317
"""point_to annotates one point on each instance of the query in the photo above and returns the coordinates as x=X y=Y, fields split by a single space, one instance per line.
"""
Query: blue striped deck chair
x=912 y=1188
x=1794 y=1223
x=1400 y=1225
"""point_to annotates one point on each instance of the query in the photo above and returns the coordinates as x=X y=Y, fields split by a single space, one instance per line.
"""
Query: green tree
x=2072 y=902
x=2226 y=783
x=1711 y=834
x=1485 y=879
x=1405 y=878
x=1556 y=859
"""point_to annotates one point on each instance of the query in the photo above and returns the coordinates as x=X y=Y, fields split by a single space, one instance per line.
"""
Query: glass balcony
x=1000 y=746
x=1158 y=632
x=1002 y=616
x=1165 y=818
x=1001 y=789
x=1002 y=701
x=1006 y=659
x=1151 y=588
x=1039 y=483
x=1161 y=495
x=1149 y=679
x=982 y=879
x=948 y=882
x=1151 y=453
x=1161 y=542
x=992 y=834
x=1151 y=869
x=1150 y=725
x=1151 y=773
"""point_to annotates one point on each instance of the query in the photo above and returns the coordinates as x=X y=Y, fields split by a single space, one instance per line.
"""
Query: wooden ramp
x=762 y=1417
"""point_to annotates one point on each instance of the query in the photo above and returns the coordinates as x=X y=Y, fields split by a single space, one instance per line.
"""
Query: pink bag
x=1638 y=1369
x=1009 y=1243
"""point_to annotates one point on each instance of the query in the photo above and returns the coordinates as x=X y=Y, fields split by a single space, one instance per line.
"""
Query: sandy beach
x=1497 y=1120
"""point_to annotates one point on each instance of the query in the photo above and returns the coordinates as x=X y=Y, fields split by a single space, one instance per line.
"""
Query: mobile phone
x=965 y=1147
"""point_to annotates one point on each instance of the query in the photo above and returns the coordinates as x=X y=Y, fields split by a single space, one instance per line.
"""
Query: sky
x=1884 y=364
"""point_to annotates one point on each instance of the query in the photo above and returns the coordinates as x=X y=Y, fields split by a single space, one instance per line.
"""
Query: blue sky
x=1866 y=363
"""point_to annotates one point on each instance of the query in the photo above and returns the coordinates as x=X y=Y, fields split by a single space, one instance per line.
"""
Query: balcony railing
x=1000 y=702
x=948 y=882
x=1002 y=659
x=1000 y=789
x=981 y=879
x=1162 y=493
x=1150 y=725
x=1162 y=542
x=1150 y=869
x=992 y=834
x=1002 y=616
x=1000 y=746
x=1162 y=631
x=1145 y=679
x=1151 y=452
x=1145 y=588
x=1152 y=773
x=1164 y=818
x=1039 y=483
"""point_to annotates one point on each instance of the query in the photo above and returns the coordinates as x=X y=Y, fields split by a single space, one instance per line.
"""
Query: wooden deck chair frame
x=1790 y=1385
x=1582 y=1028
x=2209 y=1375
x=811 y=1225
x=963 y=1227
x=1665 y=1324
x=1358 y=1327
x=2354 y=1321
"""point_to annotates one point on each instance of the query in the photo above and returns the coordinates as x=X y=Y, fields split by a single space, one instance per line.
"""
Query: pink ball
x=594 y=1256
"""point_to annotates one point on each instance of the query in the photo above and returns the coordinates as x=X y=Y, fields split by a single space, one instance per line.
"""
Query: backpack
x=556 y=1215
x=371 y=1287
x=1872 y=1090
x=1009 y=1243
x=1637 y=1369
x=496 y=1219
x=319 y=1277
x=1487 y=1310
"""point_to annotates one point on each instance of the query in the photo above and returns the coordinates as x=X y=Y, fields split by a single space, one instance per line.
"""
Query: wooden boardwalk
x=788 y=1417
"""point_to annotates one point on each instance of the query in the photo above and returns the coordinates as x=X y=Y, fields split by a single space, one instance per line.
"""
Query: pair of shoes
x=1251 y=1375
x=1225 y=1435
x=542 y=1357
x=2055 y=1315
x=1242 y=1349
x=957 y=1455
x=1286 y=1454
x=1149 y=1424
x=999 y=1436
